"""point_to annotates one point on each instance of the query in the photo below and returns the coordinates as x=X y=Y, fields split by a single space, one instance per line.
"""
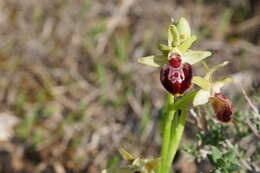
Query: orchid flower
x=210 y=92
x=177 y=59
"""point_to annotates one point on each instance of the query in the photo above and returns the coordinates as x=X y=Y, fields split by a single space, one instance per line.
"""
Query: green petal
x=201 y=82
x=183 y=27
x=193 y=56
x=155 y=61
x=187 y=43
x=202 y=97
x=173 y=36
x=215 y=68
x=219 y=84
x=164 y=49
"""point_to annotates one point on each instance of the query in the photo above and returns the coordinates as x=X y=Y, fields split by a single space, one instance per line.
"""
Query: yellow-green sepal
x=202 y=97
x=154 y=61
x=201 y=82
x=183 y=27
x=193 y=56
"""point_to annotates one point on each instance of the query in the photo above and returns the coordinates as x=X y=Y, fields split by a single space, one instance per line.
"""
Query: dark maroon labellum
x=175 y=76
x=222 y=107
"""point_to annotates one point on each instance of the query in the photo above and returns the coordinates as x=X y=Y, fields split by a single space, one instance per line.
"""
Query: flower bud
x=222 y=107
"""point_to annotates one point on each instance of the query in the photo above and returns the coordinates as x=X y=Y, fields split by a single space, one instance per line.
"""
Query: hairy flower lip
x=176 y=80
x=222 y=107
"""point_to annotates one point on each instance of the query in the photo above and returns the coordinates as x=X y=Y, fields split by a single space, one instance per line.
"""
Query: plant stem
x=167 y=123
x=177 y=131
x=173 y=127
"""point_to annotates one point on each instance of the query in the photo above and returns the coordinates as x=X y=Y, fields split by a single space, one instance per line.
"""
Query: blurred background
x=72 y=92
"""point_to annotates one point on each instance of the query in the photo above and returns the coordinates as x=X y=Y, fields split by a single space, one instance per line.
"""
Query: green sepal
x=186 y=44
x=201 y=82
x=193 y=56
x=184 y=28
x=202 y=97
x=155 y=61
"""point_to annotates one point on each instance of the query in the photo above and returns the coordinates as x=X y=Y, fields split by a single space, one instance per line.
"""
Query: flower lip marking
x=176 y=73
x=176 y=76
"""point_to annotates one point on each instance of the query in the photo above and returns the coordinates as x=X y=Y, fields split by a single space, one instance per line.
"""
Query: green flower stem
x=167 y=123
x=177 y=131
x=173 y=127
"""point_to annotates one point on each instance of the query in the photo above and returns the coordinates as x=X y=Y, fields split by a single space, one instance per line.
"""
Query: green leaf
x=216 y=154
x=173 y=36
x=201 y=82
x=234 y=167
x=186 y=44
x=230 y=155
x=183 y=27
x=202 y=97
x=155 y=61
x=193 y=57
x=184 y=100
x=211 y=160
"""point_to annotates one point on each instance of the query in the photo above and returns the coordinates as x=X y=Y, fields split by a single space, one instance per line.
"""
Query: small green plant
x=176 y=62
x=223 y=162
